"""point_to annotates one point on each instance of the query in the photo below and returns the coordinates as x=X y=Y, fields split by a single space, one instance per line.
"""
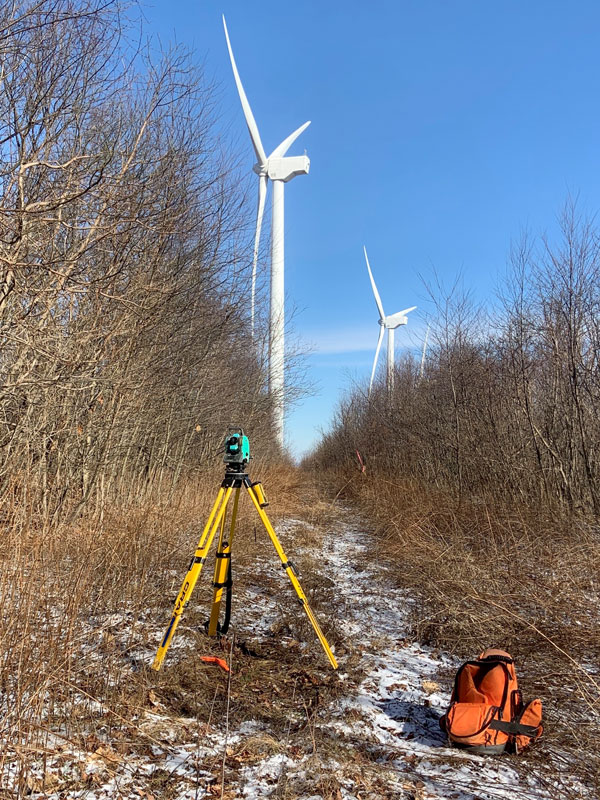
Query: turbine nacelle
x=395 y=320
x=284 y=169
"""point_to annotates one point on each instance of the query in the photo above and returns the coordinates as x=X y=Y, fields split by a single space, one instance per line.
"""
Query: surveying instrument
x=237 y=455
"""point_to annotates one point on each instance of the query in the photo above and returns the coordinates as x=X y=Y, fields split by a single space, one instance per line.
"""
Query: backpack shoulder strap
x=514 y=728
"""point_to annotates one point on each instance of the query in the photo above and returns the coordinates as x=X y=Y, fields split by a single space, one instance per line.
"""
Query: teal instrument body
x=237 y=447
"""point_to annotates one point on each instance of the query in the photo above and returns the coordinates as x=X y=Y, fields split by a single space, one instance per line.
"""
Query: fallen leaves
x=153 y=699
x=105 y=753
x=48 y=783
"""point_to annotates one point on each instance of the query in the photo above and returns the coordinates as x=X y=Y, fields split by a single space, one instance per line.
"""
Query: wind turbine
x=280 y=169
x=388 y=324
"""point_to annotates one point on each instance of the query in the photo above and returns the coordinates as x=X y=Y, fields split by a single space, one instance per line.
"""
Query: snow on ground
x=390 y=712
x=400 y=699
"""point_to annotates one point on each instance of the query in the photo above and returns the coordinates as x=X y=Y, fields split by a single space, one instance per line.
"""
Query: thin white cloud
x=361 y=338
x=357 y=338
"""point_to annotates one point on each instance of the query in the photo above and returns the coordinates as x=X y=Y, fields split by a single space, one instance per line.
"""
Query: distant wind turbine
x=280 y=169
x=387 y=323
x=424 y=353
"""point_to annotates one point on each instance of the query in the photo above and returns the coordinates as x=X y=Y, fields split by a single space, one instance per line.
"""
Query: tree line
x=123 y=265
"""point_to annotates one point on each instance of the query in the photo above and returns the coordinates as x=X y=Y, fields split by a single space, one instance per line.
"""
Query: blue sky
x=440 y=130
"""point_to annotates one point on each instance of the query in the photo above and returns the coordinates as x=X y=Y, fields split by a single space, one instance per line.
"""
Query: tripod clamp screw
x=289 y=563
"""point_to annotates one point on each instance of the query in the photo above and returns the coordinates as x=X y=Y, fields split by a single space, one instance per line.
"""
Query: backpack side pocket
x=532 y=716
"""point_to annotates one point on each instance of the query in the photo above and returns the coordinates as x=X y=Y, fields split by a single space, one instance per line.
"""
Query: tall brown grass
x=83 y=607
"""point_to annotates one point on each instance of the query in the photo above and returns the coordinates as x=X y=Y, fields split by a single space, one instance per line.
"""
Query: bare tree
x=123 y=263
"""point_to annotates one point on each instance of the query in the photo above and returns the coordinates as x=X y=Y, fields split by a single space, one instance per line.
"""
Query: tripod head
x=237 y=450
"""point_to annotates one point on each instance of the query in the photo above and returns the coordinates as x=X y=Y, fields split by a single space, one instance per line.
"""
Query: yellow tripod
x=235 y=479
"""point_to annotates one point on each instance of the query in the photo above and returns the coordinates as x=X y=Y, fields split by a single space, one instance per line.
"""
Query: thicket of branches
x=508 y=403
x=123 y=265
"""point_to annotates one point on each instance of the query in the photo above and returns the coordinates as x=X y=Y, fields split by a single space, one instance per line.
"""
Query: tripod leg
x=193 y=573
x=222 y=569
x=291 y=575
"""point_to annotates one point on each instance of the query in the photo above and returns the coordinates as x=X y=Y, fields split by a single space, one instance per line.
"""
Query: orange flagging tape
x=214 y=660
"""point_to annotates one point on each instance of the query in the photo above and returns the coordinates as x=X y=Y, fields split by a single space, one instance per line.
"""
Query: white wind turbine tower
x=390 y=324
x=280 y=169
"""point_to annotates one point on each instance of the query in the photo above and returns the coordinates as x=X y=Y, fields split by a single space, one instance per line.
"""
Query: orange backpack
x=486 y=712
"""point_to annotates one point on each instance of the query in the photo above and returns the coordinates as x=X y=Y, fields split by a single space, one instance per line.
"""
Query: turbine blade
x=250 y=121
x=379 y=340
x=282 y=149
x=262 y=194
x=375 y=292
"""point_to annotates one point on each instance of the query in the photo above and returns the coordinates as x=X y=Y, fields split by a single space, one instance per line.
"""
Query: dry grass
x=487 y=576
x=83 y=608
x=75 y=604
